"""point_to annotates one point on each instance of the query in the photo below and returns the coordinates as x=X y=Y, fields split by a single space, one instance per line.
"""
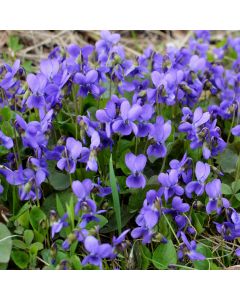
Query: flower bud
x=198 y=205
x=27 y=187
x=53 y=217
x=159 y=238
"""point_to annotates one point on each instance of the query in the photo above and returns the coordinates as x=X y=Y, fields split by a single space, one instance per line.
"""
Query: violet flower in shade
x=136 y=164
x=1 y=189
x=236 y=130
x=33 y=133
x=78 y=234
x=142 y=231
x=9 y=81
x=71 y=154
x=169 y=182
x=100 y=190
x=227 y=230
x=237 y=252
x=163 y=85
x=202 y=172
x=88 y=83
x=27 y=181
x=148 y=218
x=189 y=250
x=97 y=252
x=128 y=114
x=81 y=233
x=41 y=169
x=119 y=243
x=199 y=119
x=92 y=158
x=216 y=201
x=5 y=141
x=119 y=240
x=176 y=211
x=37 y=84
x=183 y=167
x=182 y=223
x=179 y=206
x=159 y=132
x=57 y=226
x=230 y=229
x=213 y=143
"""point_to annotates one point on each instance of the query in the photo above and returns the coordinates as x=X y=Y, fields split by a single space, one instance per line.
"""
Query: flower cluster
x=164 y=116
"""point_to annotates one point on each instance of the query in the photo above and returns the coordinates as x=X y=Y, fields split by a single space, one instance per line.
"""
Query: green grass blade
x=115 y=196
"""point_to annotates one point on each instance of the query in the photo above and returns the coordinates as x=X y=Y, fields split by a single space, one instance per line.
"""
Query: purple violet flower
x=71 y=154
x=190 y=249
x=159 y=132
x=135 y=164
x=236 y=130
x=97 y=252
x=6 y=141
x=202 y=172
x=216 y=201
x=169 y=182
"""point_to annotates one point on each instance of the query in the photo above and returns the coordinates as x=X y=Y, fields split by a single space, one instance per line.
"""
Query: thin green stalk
x=229 y=134
x=68 y=166
x=136 y=145
x=17 y=147
x=173 y=232
x=115 y=196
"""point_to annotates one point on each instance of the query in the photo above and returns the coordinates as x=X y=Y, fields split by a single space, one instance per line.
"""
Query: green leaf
x=35 y=247
x=7 y=129
x=115 y=196
x=146 y=257
x=5 y=113
x=23 y=219
x=197 y=222
x=164 y=255
x=14 y=44
x=60 y=209
x=59 y=181
x=203 y=264
x=70 y=211
x=19 y=244
x=237 y=196
x=57 y=201
x=20 y=258
x=3 y=151
x=75 y=262
x=136 y=201
x=101 y=223
x=27 y=65
x=228 y=161
x=120 y=163
x=112 y=224
x=3 y=266
x=236 y=186
x=23 y=209
x=226 y=189
x=5 y=244
x=36 y=217
x=153 y=180
x=28 y=236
